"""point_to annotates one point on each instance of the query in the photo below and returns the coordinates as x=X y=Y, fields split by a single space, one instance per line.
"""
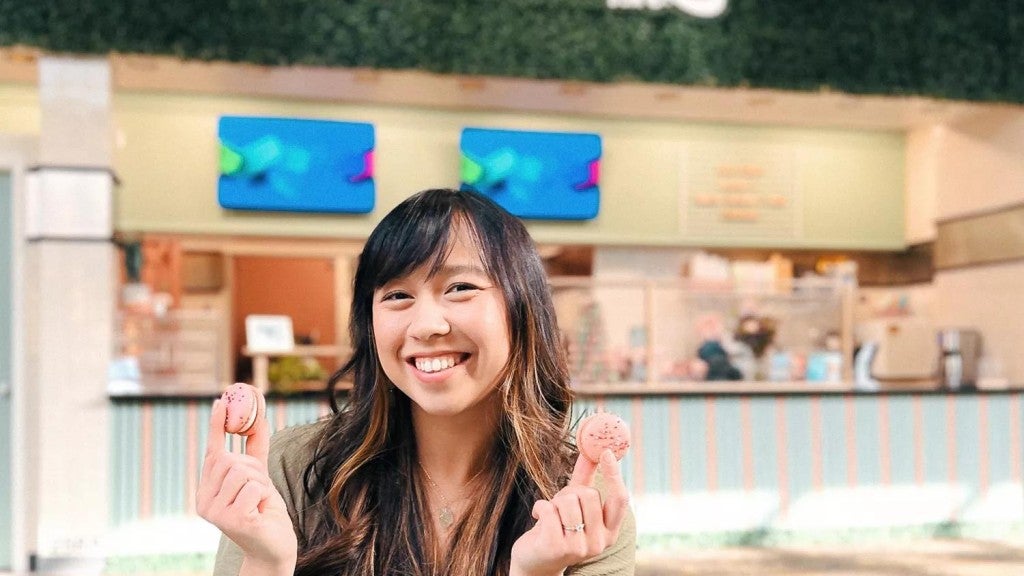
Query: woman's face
x=443 y=340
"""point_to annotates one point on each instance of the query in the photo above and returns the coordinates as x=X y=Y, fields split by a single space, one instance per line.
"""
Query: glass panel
x=166 y=352
x=650 y=332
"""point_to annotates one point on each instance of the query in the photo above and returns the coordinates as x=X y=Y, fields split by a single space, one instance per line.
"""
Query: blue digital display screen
x=538 y=175
x=295 y=165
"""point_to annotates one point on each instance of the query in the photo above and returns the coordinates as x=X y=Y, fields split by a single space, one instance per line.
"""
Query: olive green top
x=291 y=450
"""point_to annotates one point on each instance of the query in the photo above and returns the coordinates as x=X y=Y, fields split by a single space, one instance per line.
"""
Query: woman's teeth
x=435 y=364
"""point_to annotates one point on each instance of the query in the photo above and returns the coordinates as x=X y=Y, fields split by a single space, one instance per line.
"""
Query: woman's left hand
x=574 y=525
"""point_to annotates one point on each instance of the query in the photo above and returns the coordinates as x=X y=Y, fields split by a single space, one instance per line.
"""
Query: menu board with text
x=746 y=191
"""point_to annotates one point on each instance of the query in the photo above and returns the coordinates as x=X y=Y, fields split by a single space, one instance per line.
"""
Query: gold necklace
x=446 y=515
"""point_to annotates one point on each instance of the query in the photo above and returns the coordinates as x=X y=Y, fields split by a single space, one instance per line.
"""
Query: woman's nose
x=428 y=321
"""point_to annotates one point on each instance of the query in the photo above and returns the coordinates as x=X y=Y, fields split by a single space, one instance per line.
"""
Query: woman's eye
x=391 y=296
x=462 y=287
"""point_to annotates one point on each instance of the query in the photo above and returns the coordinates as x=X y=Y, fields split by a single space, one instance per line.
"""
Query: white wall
x=69 y=286
x=923 y=160
x=981 y=163
x=989 y=298
x=980 y=167
x=17 y=153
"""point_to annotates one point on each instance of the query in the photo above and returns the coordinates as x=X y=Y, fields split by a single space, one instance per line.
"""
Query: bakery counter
x=746 y=388
x=737 y=467
x=707 y=466
x=208 y=395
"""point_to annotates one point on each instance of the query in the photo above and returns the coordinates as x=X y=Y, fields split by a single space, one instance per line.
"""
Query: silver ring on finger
x=573 y=527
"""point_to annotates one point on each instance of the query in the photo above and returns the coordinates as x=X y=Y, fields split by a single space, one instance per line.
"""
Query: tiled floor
x=926 y=558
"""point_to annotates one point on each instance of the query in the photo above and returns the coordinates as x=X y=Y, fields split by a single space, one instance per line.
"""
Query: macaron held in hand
x=244 y=404
x=602 y=431
x=236 y=493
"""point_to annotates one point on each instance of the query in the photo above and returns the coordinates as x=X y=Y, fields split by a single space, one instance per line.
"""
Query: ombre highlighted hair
x=370 y=515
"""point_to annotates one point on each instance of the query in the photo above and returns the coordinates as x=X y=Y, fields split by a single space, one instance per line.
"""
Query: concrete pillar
x=69 y=302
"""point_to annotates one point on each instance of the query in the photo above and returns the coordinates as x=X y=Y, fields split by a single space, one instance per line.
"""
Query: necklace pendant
x=446 y=517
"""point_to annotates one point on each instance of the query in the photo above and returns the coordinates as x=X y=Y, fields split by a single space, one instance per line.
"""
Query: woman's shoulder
x=292 y=448
x=291 y=451
x=298 y=436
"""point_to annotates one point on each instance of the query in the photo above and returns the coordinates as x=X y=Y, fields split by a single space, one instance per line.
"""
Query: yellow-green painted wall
x=852 y=182
x=19 y=109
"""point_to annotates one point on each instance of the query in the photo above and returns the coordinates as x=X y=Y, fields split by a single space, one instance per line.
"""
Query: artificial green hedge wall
x=967 y=49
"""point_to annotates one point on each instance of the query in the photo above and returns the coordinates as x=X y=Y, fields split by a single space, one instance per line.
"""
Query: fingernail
x=608 y=457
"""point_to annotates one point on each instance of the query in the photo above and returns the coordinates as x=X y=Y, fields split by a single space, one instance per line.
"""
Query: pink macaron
x=600 y=432
x=244 y=405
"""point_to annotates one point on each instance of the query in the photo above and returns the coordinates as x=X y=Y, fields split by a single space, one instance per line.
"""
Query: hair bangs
x=411 y=242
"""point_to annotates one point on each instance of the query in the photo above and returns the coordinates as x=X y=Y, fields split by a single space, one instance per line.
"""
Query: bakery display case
x=167 y=353
x=632 y=335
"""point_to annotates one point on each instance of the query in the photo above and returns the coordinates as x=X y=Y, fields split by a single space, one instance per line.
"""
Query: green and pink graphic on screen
x=295 y=165
x=539 y=175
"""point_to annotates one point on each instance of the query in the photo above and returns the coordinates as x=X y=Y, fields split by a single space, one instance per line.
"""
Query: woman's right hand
x=237 y=496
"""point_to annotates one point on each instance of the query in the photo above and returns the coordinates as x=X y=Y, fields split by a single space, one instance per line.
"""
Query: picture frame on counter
x=265 y=333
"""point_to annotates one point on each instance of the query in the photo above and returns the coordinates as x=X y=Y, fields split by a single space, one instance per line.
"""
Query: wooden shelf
x=261 y=360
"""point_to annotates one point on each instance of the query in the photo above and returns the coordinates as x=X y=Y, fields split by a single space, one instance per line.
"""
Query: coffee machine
x=960 y=350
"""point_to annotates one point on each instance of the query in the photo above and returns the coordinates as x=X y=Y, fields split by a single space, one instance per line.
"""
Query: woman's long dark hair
x=368 y=499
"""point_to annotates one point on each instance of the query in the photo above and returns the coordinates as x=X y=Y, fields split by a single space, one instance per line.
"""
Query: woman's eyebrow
x=453 y=269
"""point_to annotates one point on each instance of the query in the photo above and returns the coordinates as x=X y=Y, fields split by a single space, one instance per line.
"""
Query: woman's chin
x=443 y=406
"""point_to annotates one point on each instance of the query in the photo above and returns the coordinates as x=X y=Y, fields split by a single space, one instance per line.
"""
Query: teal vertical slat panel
x=693 y=444
x=583 y=405
x=867 y=430
x=655 y=430
x=154 y=466
x=192 y=459
x=162 y=468
x=936 y=439
x=171 y=463
x=798 y=448
x=968 y=440
x=160 y=433
x=729 y=444
x=174 y=459
x=312 y=410
x=203 y=410
x=114 y=462
x=130 y=471
x=999 y=426
x=117 y=455
x=622 y=407
x=272 y=411
x=203 y=436
x=764 y=445
x=299 y=411
x=315 y=407
x=901 y=440
x=202 y=422
x=133 y=462
x=290 y=412
x=833 y=441
x=180 y=449
x=131 y=448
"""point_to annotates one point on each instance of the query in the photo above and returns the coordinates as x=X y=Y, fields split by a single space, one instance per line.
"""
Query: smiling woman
x=457 y=432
